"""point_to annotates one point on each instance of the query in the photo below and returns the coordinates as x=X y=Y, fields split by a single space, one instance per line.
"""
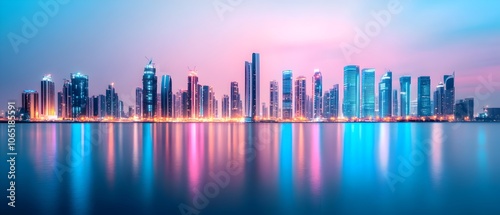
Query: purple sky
x=108 y=40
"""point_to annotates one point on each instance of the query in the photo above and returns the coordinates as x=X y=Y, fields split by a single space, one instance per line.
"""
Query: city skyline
x=416 y=54
x=201 y=101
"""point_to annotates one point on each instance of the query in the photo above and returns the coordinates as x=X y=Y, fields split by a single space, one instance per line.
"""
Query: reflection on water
x=284 y=168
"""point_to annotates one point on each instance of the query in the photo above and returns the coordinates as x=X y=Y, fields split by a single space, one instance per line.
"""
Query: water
x=256 y=168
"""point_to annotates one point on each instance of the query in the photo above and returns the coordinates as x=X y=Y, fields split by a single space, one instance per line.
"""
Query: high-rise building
x=192 y=107
x=248 y=89
x=166 y=97
x=256 y=86
x=178 y=104
x=79 y=95
x=405 y=82
x=158 y=104
x=112 y=106
x=225 y=106
x=287 y=109
x=265 y=111
x=300 y=97
x=149 y=91
x=464 y=110
x=29 y=100
x=138 y=102
x=47 y=101
x=317 y=83
x=449 y=95
x=331 y=104
x=368 y=93
x=273 y=100
x=235 y=100
x=185 y=104
x=350 y=105
x=99 y=106
x=385 y=95
x=439 y=100
x=205 y=102
x=424 y=96
x=60 y=104
x=65 y=102
x=395 y=104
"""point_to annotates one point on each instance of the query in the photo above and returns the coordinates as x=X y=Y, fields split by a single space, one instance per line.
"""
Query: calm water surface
x=256 y=168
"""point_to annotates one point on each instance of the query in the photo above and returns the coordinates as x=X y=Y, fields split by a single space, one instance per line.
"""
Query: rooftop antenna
x=150 y=60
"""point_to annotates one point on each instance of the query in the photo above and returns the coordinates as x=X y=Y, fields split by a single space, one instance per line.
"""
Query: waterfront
x=238 y=168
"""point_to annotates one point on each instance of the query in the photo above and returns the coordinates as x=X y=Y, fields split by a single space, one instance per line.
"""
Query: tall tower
x=225 y=107
x=287 y=94
x=79 y=95
x=449 y=95
x=395 y=104
x=47 y=105
x=300 y=97
x=273 y=99
x=29 y=100
x=138 y=102
x=385 y=95
x=255 y=86
x=248 y=89
x=350 y=106
x=424 y=96
x=317 y=83
x=405 y=82
x=166 y=97
x=112 y=106
x=150 y=91
x=193 y=105
x=368 y=93
x=235 y=100
x=440 y=100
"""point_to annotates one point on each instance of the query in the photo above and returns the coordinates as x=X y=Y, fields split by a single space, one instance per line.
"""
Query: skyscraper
x=192 y=107
x=439 y=100
x=166 y=97
x=405 y=82
x=65 y=103
x=424 y=96
x=235 y=100
x=300 y=97
x=317 y=83
x=29 y=100
x=205 y=102
x=138 y=102
x=185 y=104
x=395 y=108
x=449 y=95
x=112 y=106
x=79 y=95
x=255 y=86
x=47 y=105
x=59 y=104
x=287 y=95
x=350 y=106
x=331 y=102
x=464 y=110
x=368 y=93
x=265 y=111
x=385 y=95
x=225 y=106
x=149 y=91
x=273 y=99
x=248 y=89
